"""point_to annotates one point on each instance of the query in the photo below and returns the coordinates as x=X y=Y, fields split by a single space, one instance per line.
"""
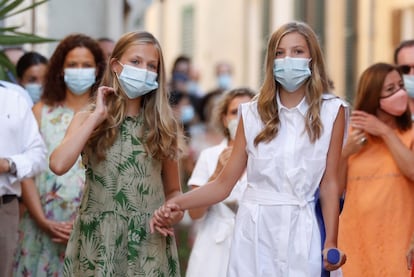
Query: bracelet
x=12 y=166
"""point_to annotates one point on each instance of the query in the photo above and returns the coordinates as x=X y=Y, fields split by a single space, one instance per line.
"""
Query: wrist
x=42 y=222
x=96 y=118
x=4 y=165
x=386 y=132
x=329 y=244
x=9 y=166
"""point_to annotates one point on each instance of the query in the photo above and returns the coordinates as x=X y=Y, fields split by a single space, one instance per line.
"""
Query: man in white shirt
x=19 y=89
x=22 y=155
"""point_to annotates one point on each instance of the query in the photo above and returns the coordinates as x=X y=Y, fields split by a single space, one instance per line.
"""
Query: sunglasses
x=405 y=68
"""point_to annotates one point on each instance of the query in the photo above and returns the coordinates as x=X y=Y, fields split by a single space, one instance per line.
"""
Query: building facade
x=353 y=33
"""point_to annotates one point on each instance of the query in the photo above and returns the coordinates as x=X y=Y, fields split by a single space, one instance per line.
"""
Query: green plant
x=11 y=35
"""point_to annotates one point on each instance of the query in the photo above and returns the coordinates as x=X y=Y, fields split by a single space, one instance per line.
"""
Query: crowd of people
x=105 y=153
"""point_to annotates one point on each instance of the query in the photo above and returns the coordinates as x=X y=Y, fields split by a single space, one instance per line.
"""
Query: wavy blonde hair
x=221 y=109
x=161 y=135
x=316 y=85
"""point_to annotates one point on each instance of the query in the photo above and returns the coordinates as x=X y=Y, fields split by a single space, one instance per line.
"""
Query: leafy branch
x=11 y=36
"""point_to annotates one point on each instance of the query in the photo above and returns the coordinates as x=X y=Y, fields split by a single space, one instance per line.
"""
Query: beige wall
x=232 y=30
x=59 y=18
x=379 y=32
x=225 y=30
x=335 y=43
x=381 y=25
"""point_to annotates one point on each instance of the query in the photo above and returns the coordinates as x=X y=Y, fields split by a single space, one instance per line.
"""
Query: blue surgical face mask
x=34 y=90
x=79 y=80
x=409 y=85
x=291 y=73
x=193 y=88
x=187 y=114
x=180 y=77
x=224 y=81
x=137 y=81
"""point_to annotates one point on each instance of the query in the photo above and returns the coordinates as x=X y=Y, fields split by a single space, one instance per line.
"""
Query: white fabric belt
x=302 y=224
x=272 y=198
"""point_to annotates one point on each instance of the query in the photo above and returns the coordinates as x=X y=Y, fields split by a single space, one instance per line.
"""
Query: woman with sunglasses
x=404 y=58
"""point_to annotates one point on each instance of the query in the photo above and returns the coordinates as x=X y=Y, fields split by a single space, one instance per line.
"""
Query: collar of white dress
x=302 y=107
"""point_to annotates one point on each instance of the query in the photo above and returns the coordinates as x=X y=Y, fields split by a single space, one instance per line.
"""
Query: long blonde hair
x=161 y=135
x=221 y=108
x=317 y=84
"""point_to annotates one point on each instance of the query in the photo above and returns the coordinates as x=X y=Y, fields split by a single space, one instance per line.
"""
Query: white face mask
x=34 y=90
x=224 y=81
x=187 y=114
x=79 y=80
x=136 y=81
x=291 y=73
x=409 y=84
x=232 y=127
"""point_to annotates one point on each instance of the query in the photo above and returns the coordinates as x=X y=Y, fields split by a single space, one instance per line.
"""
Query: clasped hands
x=165 y=217
x=58 y=231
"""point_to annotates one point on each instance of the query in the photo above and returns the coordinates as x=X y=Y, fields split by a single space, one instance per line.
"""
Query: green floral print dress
x=60 y=197
x=111 y=235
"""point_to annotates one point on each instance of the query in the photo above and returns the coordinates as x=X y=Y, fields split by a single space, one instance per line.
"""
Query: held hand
x=175 y=217
x=164 y=230
x=333 y=258
x=159 y=220
x=368 y=123
x=164 y=217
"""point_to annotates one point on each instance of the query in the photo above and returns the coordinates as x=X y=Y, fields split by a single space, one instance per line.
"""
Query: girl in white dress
x=290 y=140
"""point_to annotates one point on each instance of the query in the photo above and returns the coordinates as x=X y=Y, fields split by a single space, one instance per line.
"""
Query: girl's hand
x=333 y=266
x=101 y=110
x=164 y=217
x=175 y=217
x=160 y=222
x=160 y=219
x=164 y=230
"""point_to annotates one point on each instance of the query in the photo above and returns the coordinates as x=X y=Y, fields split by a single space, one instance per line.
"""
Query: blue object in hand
x=333 y=256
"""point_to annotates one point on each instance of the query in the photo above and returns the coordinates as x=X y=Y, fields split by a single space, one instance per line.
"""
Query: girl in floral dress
x=130 y=148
